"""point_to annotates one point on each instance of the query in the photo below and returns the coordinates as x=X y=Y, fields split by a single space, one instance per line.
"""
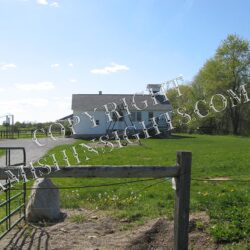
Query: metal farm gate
x=12 y=203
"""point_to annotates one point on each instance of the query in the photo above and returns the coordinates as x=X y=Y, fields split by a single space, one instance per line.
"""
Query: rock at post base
x=44 y=204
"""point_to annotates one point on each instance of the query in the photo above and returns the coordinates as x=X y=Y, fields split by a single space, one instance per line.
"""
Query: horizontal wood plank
x=99 y=171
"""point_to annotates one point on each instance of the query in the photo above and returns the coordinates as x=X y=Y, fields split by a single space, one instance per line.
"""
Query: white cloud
x=71 y=65
x=73 y=80
x=62 y=98
x=55 y=66
x=36 y=102
x=63 y=104
x=35 y=86
x=5 y=66
x=37 y=108
x=1 y=89
x=42 y=2
x=54 y=4
x=23 y=106
x=110 y=69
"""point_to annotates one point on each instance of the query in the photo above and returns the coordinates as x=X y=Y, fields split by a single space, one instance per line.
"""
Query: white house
x=110 y=112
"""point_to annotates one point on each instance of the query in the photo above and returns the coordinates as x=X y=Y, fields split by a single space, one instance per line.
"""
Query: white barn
x=141 y=107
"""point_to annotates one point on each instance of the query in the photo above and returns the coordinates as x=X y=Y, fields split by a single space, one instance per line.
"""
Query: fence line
x=10 y=134
x=132 y=171
x=181 y=172
x=92 y=186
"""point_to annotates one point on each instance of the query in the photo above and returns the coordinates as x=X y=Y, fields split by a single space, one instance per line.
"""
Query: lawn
x=226 y=202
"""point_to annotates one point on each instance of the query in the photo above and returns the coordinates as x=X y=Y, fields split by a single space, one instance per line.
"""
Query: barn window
x=150 y=115
x=136 y=117
x=97 y=122
x=139 y=116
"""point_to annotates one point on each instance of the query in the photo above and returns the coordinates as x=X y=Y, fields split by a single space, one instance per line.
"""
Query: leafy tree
x=228 y=69
x=182 y=108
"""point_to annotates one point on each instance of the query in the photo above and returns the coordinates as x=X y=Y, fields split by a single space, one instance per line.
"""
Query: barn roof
x=87 y=102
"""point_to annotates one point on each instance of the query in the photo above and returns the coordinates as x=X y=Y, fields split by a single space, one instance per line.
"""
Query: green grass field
x=226 y=202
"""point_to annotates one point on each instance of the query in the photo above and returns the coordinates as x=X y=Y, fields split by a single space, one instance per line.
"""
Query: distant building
x=96 y=105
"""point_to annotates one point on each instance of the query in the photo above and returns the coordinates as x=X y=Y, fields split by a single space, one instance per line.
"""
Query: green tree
x=182 y=108
x=228 y=69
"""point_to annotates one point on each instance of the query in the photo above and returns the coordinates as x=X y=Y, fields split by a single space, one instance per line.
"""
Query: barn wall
x=85 y=127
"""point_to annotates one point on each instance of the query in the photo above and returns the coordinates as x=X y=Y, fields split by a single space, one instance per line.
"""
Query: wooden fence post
x=182 y=196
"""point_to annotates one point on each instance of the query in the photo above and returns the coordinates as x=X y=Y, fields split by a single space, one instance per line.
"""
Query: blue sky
x=51 y=49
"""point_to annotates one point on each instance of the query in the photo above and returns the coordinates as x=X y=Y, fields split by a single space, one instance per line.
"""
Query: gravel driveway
x=33 y=151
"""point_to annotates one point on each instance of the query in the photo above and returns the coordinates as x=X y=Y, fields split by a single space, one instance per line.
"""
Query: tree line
x=222 y=87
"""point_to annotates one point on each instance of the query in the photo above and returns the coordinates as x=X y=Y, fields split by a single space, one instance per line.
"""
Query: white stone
x=44 y=204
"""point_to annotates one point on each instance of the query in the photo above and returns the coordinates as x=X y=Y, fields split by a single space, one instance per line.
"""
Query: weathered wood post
x=182 y=196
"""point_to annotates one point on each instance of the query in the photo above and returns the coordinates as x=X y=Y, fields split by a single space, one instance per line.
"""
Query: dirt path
x=99 y=232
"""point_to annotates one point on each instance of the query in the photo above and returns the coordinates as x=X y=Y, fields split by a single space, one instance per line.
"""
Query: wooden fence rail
x=181 y=172
x=98 y=171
